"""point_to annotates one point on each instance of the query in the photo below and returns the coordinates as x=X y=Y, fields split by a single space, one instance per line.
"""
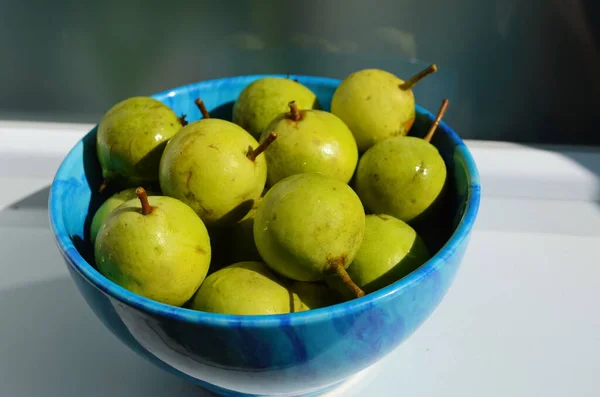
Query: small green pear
x=216 y=168
x=376 y=104
x=263 y=99
x=311 y=295
x=241 y=247
x=234 y=243
x=402 y=176
x=219 y=246
x=108 y=206
x=244 y=288
x=130 y=140
x=156 y=247
x=310 y=141
x=390 y=250
x=308 y=226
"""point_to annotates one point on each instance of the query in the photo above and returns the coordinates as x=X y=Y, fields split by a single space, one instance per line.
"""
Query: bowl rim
x=459 y=237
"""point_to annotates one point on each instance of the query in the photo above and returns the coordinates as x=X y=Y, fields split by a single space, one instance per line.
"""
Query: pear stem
x=343 y=274
x=143 y=196
x=437 y=120
x=182 y=120
x=410 y=83
x=294 y=112
x=103 y=186
x=200 y=103
x=253 y=154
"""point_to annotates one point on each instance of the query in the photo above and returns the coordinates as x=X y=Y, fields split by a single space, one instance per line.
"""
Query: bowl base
x=353 y=385
x=347 y=388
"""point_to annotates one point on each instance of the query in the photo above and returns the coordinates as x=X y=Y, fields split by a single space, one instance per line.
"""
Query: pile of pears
x=285 y=208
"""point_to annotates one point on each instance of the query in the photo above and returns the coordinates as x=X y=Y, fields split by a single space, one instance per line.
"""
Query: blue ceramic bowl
x=298 y=354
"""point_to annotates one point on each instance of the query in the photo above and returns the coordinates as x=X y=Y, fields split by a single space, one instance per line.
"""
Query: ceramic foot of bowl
x=347 y=388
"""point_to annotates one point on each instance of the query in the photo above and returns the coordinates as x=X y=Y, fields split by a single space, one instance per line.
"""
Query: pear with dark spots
x=308 y=226
x=404 y=176
x=376 y=104
x=215 y=167
x=310 y=141
x=131 y=138
x=156 y=247
x=264 y=99
x=390 y=250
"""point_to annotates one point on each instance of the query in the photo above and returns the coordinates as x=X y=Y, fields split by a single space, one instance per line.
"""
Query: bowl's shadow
x=50 y=331
x=36 y=200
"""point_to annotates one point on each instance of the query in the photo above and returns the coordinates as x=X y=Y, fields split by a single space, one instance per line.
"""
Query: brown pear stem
x=294 y=112
x=410 y=83
x=343 y=274
x=103 y=186
x=253 y=154
x=143 y=196
x=200 y=103
x=182 y=120
x=437 y=120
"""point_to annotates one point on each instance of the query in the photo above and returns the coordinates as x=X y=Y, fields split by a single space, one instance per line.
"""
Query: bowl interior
x=74 y=196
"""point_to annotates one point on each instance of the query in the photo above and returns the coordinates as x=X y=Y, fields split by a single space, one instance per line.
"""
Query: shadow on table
x=585 y=156
x=28 y=212
x=50 y=333
x=36 y=200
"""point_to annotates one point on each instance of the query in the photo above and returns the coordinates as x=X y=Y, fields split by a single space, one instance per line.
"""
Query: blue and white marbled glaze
x=283 y=355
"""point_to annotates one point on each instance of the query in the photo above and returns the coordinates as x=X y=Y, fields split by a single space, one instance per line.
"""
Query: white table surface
x=521 y=319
